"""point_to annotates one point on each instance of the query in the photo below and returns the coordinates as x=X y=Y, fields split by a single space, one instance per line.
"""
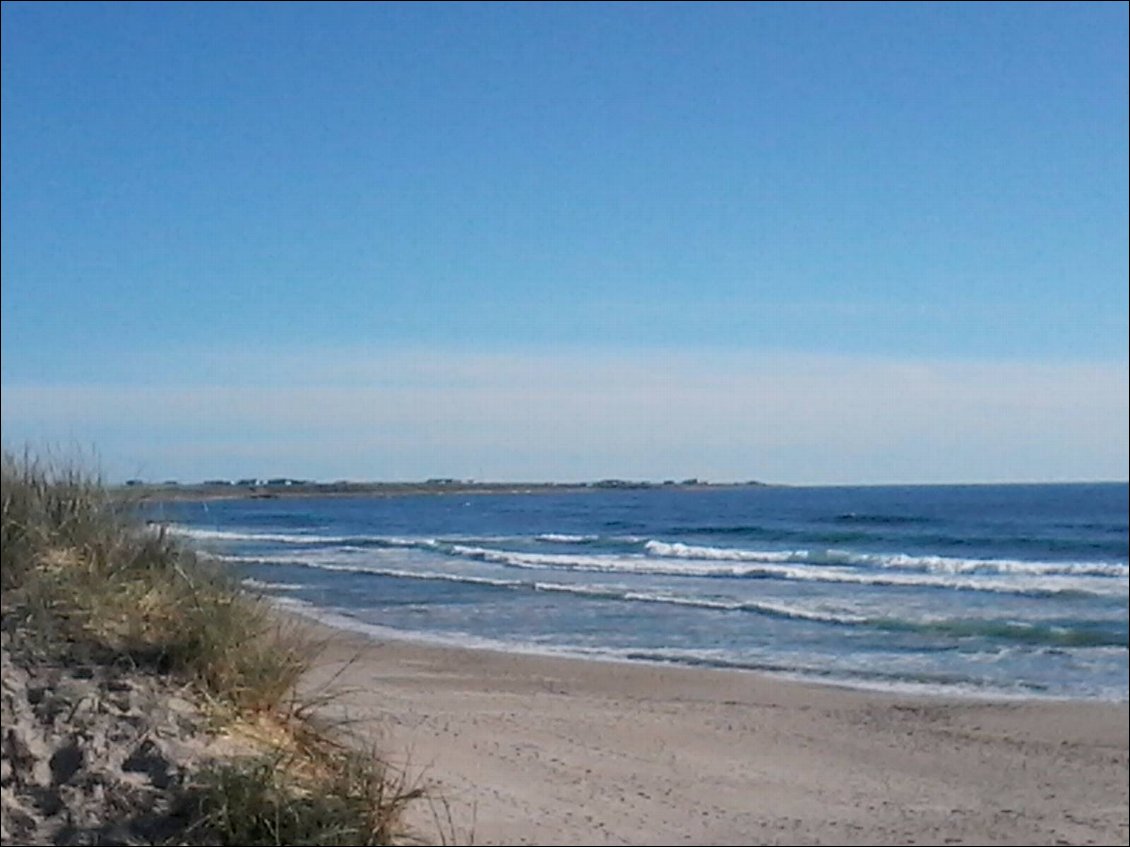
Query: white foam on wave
x=779 y=610
x=677 y=550
x=305 y=560
x=935 y=564
x=667 y=598
x=265 y=585
x=818 y=613
x=778 y=565
x=397 y=541
x=575 y=561
x=347 y=564
x=232 y=535
x=659 y=550
x=303 y=539
x=604 y=592
x=946 y=564
x=365 y=560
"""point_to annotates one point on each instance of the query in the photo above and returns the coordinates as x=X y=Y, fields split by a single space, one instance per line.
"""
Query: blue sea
x=1011 y=590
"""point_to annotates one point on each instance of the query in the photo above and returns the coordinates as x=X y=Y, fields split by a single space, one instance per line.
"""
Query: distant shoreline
x=263 y=490
x=289 y=490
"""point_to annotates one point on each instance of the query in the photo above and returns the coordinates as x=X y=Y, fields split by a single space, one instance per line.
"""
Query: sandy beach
x=543 y=750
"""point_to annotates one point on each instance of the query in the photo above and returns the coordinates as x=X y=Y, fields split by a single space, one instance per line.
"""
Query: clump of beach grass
x=84 y=574
x=328 y=795
x=85 y=579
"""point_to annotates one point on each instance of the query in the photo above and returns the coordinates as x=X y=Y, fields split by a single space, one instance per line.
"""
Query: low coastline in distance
x=218 y=489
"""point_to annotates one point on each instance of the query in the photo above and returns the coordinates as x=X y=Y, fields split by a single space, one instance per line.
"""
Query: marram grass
x=85 y=578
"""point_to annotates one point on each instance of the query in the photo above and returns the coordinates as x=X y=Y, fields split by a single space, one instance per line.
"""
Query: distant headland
x=249 y=488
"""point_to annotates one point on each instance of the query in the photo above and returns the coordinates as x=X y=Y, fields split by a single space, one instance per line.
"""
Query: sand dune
x=93 y=754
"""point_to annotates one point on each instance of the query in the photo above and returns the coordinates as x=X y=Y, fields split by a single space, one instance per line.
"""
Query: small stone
x=66 y=762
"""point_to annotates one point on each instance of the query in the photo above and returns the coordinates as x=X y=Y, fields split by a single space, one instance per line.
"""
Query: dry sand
x=92 y=754
x=534 y=750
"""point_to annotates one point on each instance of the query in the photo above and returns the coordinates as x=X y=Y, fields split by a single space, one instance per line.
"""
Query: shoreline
x=379 y=634
x=528 y=748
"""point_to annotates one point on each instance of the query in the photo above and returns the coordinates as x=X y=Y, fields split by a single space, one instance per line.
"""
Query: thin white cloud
x=574 y=415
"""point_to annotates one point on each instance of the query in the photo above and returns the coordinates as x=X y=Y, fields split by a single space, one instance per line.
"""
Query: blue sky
x=805 y=243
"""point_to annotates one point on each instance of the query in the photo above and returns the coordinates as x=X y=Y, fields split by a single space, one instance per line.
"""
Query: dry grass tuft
x=303 y=794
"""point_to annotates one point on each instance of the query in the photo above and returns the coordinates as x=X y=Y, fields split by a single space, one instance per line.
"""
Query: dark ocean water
x=1016 y=590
